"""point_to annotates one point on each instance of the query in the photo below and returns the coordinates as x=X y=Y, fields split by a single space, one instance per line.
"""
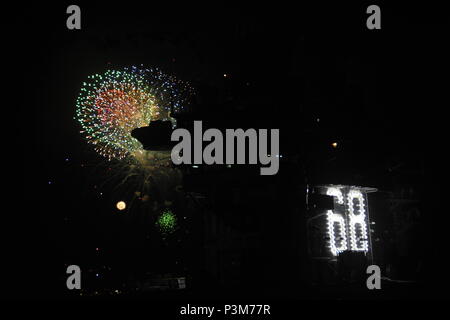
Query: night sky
x=315 y=72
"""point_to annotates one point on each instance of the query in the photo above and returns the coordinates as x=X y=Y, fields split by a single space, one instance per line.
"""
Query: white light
x=336 y=192
x=357 y=217
x=332 y=220
x=351 y=233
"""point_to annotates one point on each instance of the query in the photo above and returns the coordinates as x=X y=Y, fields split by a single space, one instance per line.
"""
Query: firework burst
x=112 y=104
x=167 y=222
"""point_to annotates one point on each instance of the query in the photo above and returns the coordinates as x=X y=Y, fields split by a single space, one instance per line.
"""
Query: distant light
x=334 y=144
x=318 y=120
x=67 y=159
x=195 y=167
x=121 y=205
x=225 y=75
x=49 y=182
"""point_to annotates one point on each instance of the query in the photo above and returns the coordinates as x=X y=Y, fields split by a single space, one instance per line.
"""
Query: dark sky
x=378 y=92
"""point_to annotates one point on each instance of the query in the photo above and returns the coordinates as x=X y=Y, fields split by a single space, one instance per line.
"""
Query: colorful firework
x=167 y=222
x=112 y=104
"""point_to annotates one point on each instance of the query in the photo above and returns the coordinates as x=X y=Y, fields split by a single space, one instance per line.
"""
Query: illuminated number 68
x=357 y=228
